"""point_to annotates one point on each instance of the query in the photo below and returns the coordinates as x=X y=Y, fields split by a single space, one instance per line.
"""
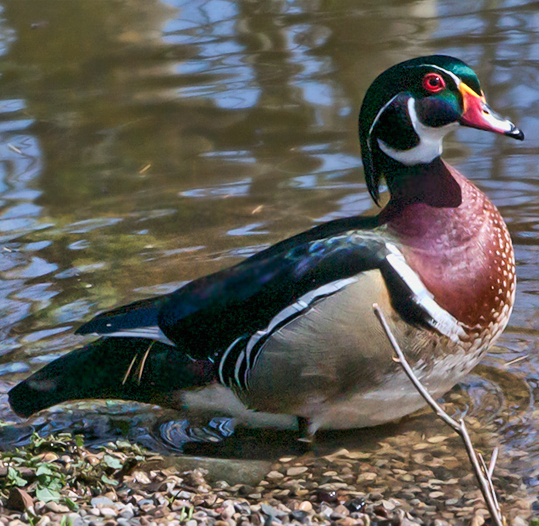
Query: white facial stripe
x=430 y=138
x=430 y=141
x=378 y=115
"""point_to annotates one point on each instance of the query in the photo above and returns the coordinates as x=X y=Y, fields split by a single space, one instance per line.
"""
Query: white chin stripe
x=430 y=141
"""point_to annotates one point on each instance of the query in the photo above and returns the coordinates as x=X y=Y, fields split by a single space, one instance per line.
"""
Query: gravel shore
x=59 y=481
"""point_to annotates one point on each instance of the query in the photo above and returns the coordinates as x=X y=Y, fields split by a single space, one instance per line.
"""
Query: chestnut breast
x=463 y=255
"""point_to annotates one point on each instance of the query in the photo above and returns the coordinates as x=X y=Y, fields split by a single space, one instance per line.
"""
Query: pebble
x=108 y=512
x=228 y=510
x=127 y=512
x=344 y=488
x=274 y=475
x=56 y=508
x=294 y=471
x=101 y=501
x=19 y=499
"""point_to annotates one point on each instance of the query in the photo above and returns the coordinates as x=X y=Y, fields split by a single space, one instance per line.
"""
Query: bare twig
x=128 y=372
x=493 y=459
x=482 y=473
x=143 y=362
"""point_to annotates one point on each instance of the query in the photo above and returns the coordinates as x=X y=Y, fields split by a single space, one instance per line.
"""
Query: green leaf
x=112 y=462
x=14 y=477
x=79 y=440
x=47 y=494
x=109 y=481
x=73 y=506
x=45 y=469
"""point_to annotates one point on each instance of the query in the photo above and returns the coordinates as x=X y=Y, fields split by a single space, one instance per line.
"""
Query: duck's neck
x=457 y=242
x=432 y=184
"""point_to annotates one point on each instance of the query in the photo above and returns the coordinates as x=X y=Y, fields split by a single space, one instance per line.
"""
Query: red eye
x=433 y=82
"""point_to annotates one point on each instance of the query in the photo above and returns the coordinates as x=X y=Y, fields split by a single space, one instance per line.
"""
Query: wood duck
x=291 y=330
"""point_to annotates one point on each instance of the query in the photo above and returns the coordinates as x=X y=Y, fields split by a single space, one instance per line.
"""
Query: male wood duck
x=291 y=330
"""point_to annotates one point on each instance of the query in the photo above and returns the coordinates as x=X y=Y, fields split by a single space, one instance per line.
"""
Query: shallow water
x=144 y=143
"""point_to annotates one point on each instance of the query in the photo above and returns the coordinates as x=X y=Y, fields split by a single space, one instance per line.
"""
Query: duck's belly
x=393 y=398
x=334 y=365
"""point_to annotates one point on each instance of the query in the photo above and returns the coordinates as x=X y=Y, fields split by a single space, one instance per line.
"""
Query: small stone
x=192 y=522
x=341 y=510
x=56 y=508
x=96 y=502
x=305 y=506
x=92 y=459
x=299 y=515
x=477 y=520
x=228 y=510
x=127 y=512
x=294 y=471
x=141 y=477
x=108 y=512
x=75 y=519
x=436 y=494
x=274 y=475
x=19 y=500
x=437 y=439
x=271 y=511
x=325 y=511
x=367 y=476
x=348 y=521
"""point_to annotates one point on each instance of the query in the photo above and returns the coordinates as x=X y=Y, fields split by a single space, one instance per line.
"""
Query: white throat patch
x=430 y=141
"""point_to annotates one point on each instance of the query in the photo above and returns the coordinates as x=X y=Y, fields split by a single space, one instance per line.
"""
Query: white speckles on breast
x=465 y=257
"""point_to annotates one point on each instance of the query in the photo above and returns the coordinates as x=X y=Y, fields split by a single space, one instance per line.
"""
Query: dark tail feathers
x=121 y=368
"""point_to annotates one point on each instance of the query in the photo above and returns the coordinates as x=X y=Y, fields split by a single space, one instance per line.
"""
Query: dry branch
x=482 y=473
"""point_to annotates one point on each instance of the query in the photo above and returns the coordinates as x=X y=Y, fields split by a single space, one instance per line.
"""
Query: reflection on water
x=148 y=143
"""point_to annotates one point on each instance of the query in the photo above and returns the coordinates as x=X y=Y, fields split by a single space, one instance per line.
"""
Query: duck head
x=409 y=109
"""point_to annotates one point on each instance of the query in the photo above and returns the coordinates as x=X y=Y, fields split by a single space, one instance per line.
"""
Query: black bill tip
x=515 y=133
